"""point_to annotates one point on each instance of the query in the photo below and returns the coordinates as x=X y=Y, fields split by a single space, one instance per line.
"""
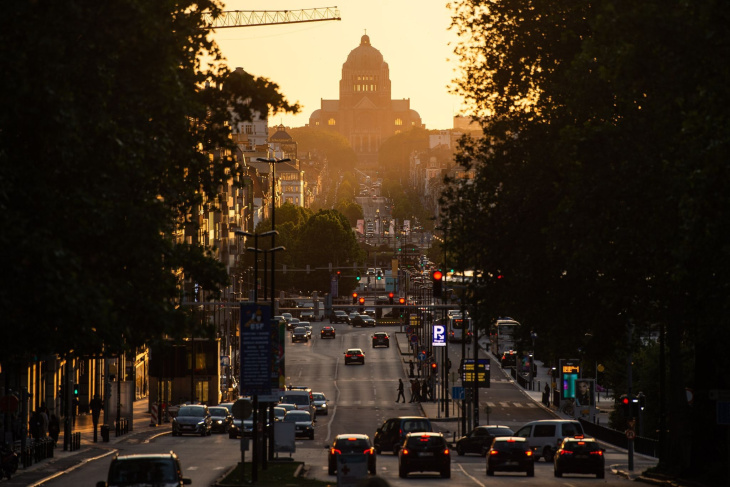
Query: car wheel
x=490 y=472
x=446 y=474
x=311 y=436
x=558 y=473
x=232 y=434
x=402 y=472
x=330 y=470
x=460 y=450
x=601 y=474
x=531 y=472
x=203 y=433
x=547 y=454
x=396 y=449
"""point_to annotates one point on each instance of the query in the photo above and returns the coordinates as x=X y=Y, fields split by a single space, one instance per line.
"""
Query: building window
x=399 y=121
x=331 y=121
x=248 y=128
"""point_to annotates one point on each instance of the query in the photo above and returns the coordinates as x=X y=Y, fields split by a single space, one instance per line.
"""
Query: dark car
x=221 y=418
x=356 y=319
x=509 y=359
x=580 y=455
x=480 y=439
x=424 y=452
x=350 y=444
x=381 y=339
x=144 y=470
x=299 y=335
x=510 y=454
x=338 y=316
x=393 y=431
x=303 y=421
x=368 y=321
x=327 y=332
x=193 y=420
x=354 y=356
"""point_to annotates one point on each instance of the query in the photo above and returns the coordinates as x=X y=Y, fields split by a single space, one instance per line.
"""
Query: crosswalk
x=390 y=403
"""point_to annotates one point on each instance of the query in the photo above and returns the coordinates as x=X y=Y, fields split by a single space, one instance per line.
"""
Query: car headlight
x=201 y=423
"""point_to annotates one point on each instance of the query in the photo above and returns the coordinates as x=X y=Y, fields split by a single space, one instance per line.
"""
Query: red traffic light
x=390 y=295
x=354 y=295
x=401 y=300
x=362 y=300
x=625 y=400
x=437 y=275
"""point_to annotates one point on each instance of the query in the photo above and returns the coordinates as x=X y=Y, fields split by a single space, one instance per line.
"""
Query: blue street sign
x=439 y=336
x=457 y=392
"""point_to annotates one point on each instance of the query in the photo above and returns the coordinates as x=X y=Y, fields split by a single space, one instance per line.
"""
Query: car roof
x=424 y=433
x=380 y=333
x=354 y=350
x=511 y=438
x=359 y=436
x=134 y=456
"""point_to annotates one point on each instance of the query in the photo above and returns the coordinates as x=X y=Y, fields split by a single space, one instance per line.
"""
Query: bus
x=504 y=339
x=459 y=329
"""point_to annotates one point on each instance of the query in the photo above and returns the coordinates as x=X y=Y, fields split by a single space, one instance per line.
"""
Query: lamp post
x=256 y=260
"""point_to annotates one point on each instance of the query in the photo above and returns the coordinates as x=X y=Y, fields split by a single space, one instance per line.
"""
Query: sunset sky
x=306 y=59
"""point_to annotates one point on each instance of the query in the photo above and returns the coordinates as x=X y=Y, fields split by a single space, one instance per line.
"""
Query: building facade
x=365 y=113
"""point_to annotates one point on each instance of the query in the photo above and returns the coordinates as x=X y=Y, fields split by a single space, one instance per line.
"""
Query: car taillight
x=493 y=452
x=528 y=453
x=369 y=451
x=405 y=451
x=598 y=452
x=335 y=451
x=446 y=451
x=565 y=452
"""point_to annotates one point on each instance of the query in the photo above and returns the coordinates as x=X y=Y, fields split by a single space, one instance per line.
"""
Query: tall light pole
x=256 y=260
x=273 y=161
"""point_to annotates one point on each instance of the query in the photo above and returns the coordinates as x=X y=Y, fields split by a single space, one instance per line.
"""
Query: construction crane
x=252 y=18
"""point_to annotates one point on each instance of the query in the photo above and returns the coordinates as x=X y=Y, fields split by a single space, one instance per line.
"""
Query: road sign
x=630 y=434
x=439 y=336
x=414 y=338
x=457 y=393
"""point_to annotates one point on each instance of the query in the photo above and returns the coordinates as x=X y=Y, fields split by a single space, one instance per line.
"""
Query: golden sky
x=306 y=59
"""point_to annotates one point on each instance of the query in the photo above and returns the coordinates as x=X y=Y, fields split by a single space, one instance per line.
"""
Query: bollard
x=50 y=447
x=117 y=430
x=105 y=433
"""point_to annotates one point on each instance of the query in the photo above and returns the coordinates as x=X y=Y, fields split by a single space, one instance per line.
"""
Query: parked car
x=338 y=316
x=354 y=356
x=192 y=419
x=303 y=421
x=544 y=435
x=320 y=402
x=145 y=469
x=510 y=454
x=424 y=452
x=580 y=455
x=299 y=335
x=327 y=332
x=479 y=440
x=221 y=419
x=392 y=433
x=381 y=339
x=350 y=444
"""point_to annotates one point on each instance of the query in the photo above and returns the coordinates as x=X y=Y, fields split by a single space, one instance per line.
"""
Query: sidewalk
x=65 y=460
x=604 y=405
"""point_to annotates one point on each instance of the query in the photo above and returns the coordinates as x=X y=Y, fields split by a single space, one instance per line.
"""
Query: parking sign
x=439 y=336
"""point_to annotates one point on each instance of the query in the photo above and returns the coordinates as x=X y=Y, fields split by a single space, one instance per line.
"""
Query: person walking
x=96 y=405
x=400 y=391
x=417 y=390
x=54 y=428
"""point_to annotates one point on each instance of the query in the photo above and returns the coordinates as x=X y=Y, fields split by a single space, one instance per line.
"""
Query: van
x=302 y=399
x=392 y=433
x=545 y=435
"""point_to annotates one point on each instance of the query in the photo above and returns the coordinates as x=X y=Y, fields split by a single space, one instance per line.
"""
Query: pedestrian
x=426 y=390
x=96 y=405
x=44 y=419
x=410 y=366
x=413 y=390
x=400 y=391
x=54 y=428
x=35 y=424
x=417 y=390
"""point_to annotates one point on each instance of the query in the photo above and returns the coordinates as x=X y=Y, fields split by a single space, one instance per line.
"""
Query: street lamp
x=256 y=260
x=273 y=162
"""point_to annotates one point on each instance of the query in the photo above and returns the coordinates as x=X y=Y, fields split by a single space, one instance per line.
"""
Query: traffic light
x=358 y=276
x=642 y=401
x=401 y=300
x=437 y=278
x=354 y=298
x=626 y=401
x=76 y=390
x=380 y=275
x=434 y=368
x=362 y=303
x=338 y=275
x=390 y=298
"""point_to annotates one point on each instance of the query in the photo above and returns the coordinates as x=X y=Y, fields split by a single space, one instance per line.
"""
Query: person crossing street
x=400 y=391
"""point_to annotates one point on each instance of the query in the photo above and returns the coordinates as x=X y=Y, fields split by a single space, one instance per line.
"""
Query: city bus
x=458 y=329
x=504 y=338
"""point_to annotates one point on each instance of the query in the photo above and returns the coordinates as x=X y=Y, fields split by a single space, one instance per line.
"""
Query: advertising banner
x=255 y=349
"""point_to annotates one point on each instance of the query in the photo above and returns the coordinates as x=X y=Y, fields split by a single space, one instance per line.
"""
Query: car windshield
x=354 y=352
x=218 y=411
x=197 y=411
x=300 y=329
x=506 y=446
x=500 y=432
x=300 y=400
x=296 y=416
x=318 y=396
x=143 y=471
x=416 y=425
x=425 y=440
x=581 y=446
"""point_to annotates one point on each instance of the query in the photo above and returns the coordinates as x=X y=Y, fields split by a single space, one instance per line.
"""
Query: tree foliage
x=109 y=119
x=600 y=190
x=326 y=144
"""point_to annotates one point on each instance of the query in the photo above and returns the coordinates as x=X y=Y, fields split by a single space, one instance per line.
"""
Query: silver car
x=320 y=402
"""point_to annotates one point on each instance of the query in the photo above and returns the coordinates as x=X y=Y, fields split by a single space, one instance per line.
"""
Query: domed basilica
x=365 y=113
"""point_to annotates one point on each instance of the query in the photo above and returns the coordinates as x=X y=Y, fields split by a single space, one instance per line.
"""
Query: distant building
x=365 y=113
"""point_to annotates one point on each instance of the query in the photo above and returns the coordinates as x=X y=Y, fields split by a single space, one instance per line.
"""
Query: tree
x=108 y=124
x=597 y=184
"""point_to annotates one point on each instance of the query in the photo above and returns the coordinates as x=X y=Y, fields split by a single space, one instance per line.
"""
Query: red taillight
x=598 y=452
x=446 y=451
x=335 y=451
x=565 y=452
x=493 y=452
x=528 y=453
x=369 y=451
x=405 y=451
